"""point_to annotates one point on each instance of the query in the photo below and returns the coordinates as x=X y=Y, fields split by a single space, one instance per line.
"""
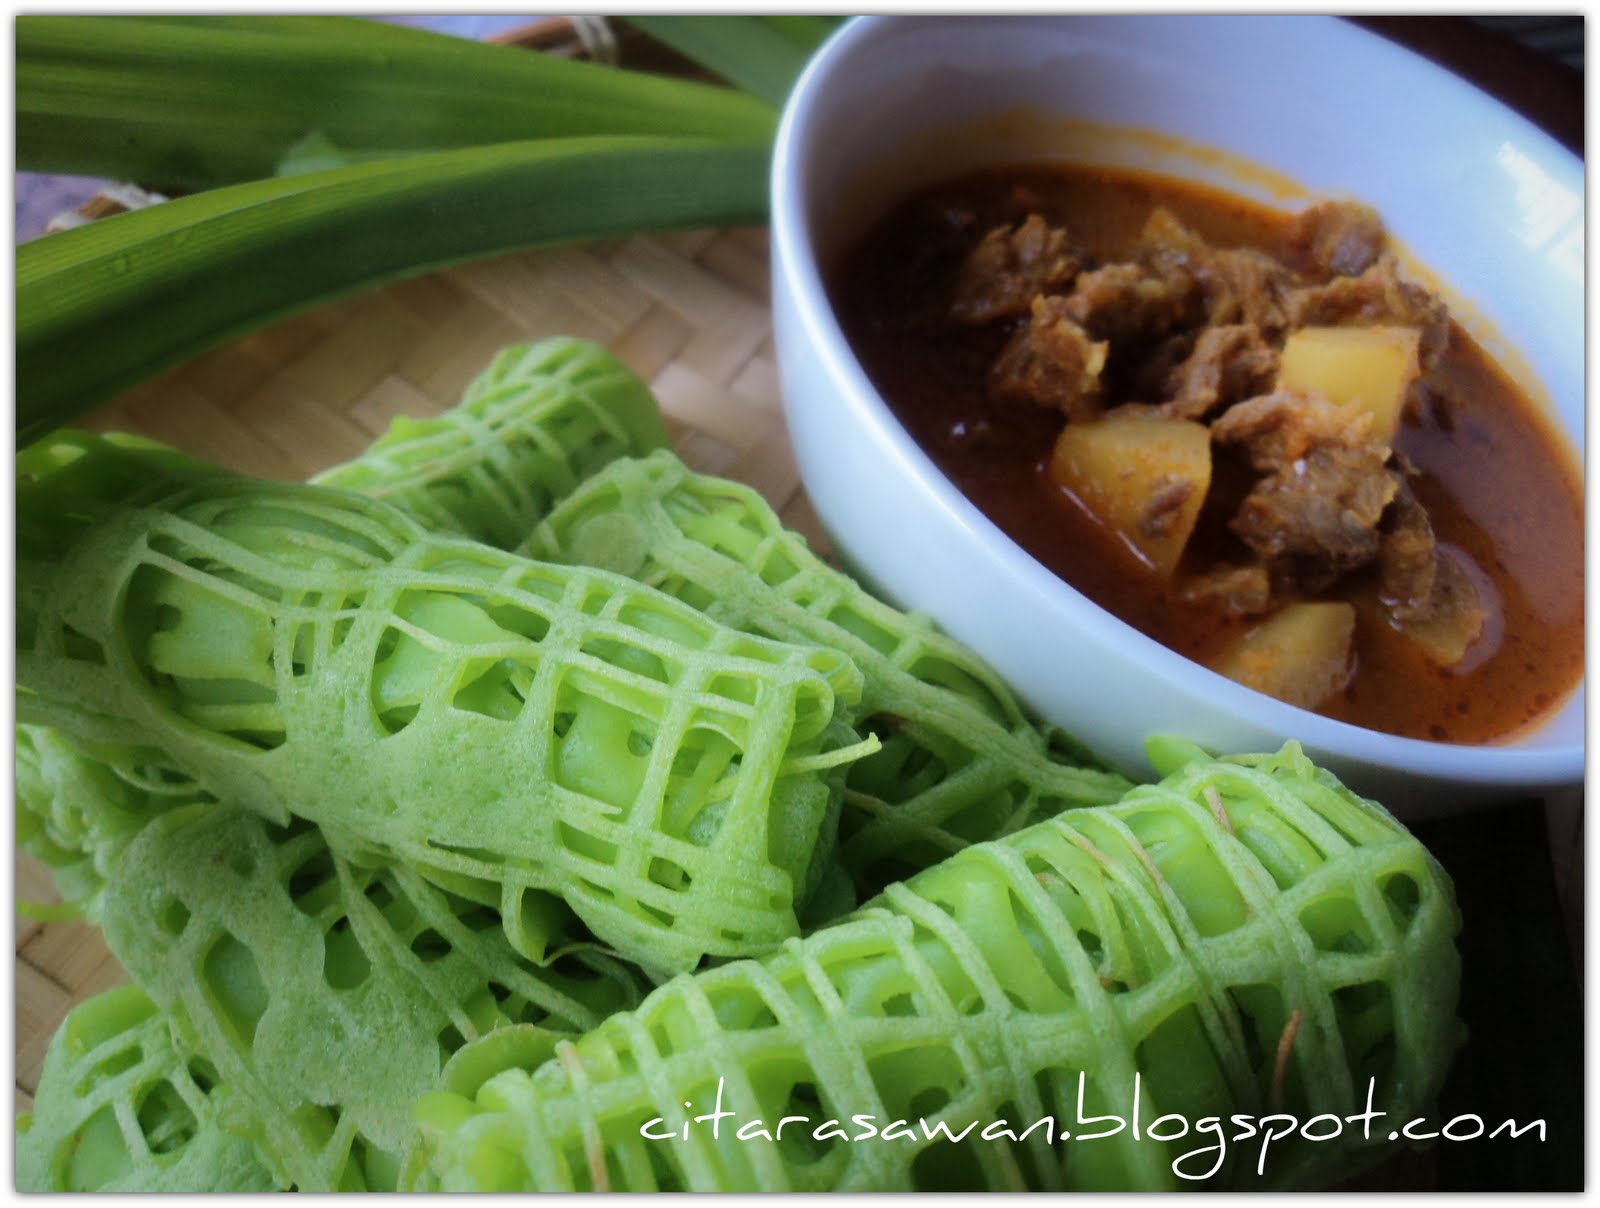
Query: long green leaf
x=192 y=103
x=762 y=55
x=104 y=306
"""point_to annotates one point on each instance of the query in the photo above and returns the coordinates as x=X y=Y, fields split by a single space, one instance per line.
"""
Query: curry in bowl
x=1242 y=431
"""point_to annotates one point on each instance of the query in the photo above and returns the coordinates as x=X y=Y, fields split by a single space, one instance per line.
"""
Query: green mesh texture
x=534 y=423
x=528 y=429
x=119 y=1109
x=1187 y=935
x=959 y=761
x=325 y=994
x=472 y=713
x=75 y=814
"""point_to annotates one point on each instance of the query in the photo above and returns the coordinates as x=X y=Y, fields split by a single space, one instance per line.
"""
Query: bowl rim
x=797 y=263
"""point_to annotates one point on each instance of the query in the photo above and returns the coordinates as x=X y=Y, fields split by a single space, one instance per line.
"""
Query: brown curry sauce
x=1498 y=484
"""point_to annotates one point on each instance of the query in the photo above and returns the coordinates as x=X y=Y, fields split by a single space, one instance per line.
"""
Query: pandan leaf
x=104 y=306
x=194 y=103
x=762 y=55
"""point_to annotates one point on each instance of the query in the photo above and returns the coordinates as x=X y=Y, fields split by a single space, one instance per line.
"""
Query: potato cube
x=1301 y=654
x=1369 y=367
x=1143 y=476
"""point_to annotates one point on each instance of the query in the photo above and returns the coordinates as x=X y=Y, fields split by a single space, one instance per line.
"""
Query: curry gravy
x=1498 y=484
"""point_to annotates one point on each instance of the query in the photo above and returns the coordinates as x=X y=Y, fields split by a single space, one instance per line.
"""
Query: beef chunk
x=1338 y=238
x=1315 y=513
x=1242 y=285
x=1455 y=614
x=1151 y=374
x=1377 y=296
x=1050 y=361
x=1236 y=285
x=1166 y=237
x=1407 y=558
x=1226 y=364
x=1133 y=303
x=1317 y=519
x=1242 y=591
x=1424 y=587
x=1276 y=430
x=1009 y=267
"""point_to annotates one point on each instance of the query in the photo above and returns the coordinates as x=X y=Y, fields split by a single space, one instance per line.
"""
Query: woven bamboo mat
x=687 y=311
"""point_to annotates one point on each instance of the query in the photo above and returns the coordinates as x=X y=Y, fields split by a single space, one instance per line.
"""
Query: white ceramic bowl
x=1266 y=106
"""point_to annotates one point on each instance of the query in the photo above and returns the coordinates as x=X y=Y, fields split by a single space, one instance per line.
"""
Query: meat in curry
x=1244 y=432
